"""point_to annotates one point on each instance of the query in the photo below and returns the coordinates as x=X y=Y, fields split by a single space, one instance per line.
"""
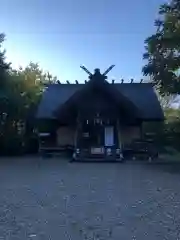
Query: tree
x=167 y=101
x=163 y=50
x=20 y=92
x=27 y=86
x=4 y=67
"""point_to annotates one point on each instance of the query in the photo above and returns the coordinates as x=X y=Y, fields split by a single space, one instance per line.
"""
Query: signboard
x=97 y=151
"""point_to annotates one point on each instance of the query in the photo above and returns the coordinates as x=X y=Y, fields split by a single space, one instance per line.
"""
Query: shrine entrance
x=95 y=136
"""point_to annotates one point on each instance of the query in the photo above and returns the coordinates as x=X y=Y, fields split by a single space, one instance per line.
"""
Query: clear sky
x=63 y=34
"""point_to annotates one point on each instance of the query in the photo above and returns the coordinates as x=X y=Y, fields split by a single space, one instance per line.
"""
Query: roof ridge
x=115 y=83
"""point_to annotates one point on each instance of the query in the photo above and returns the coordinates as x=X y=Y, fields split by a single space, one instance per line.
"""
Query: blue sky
x=63 y=34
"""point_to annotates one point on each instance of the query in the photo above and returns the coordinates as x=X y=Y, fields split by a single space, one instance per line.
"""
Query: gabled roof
x=101 y=86
x=142 y=95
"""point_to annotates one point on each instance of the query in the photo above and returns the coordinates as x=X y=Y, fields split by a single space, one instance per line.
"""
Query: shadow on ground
x=173 y=167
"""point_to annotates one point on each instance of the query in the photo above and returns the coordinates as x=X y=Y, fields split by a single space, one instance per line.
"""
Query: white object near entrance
x=109 y=136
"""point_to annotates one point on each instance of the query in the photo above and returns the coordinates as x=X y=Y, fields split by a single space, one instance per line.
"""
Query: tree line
x=20 y=93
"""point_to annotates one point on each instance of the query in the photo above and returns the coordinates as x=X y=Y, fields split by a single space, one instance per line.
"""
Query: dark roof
x=142 y=95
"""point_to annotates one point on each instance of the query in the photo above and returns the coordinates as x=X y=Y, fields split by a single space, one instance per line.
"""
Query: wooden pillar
x=141 y=131
x=75 y=137
x=119 y=134
x=77 y=130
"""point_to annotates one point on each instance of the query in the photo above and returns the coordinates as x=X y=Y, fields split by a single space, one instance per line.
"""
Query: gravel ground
x=53 y=199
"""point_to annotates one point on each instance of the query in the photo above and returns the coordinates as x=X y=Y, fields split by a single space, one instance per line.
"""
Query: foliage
x=20 y=92
x=163 y=68
x=172 y=127
x=163 y=50
x=167 y=101
x=26 y=87
x=4 y=67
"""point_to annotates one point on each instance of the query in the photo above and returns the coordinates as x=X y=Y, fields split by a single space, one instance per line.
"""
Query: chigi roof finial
x=97 y=73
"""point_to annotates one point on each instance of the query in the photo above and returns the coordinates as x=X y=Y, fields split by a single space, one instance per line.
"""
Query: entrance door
x=109 y=136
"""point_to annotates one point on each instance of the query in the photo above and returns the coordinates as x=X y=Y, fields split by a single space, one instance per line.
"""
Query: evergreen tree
x=4 y=67
x=163 y=50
